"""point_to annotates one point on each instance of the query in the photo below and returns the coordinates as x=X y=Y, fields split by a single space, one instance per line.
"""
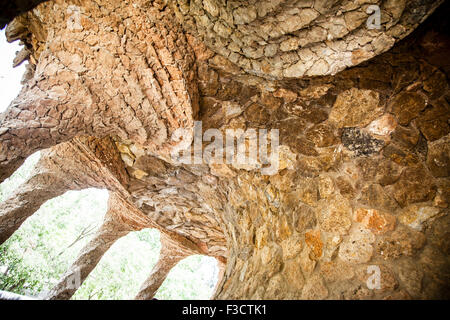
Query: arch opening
x=41 y=250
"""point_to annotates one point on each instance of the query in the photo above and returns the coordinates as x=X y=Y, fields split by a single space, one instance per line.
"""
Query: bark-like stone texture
x=285 y=38
x=363 y=177
x=98 y=75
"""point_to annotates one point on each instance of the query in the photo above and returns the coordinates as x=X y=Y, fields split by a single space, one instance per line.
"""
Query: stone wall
x=363 y=180
x=365 y=183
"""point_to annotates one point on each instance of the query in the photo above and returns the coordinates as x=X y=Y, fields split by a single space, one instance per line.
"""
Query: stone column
x=27 y=200
x=169 y=256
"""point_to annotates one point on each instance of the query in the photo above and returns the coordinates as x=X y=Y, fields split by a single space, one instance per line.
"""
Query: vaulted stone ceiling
x=363 y=175
x=296 y=38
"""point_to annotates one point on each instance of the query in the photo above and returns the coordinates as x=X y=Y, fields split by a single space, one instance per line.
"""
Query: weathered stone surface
x=357 y=247
x=382 y=171
x=304 y=218
x=312 y=114
x=221 y=170
x=374 y=220
x=307 y=191
x=345 y=187
x=293 y=274
x=314 y=241
x=327 y=186
x=292 y=247
x=438 y=159
x=406 y=106
x=97 y=99
x=280 y=39
x=416 y=215
x=334 y=215
x=336 y=271
x=435 y=85
x=433 y=122
x=287 y=95
x=271 y=257
x=414 y=185
x=331 y=245
x=435 y=265
x=274 y=287
x=301 y=145
x=307 y=264
x=358 y=292
x=405 y=137
x=314 y=289
x=402 y=242
x=400 y=156
x=439 y=234
x=388 y=281
x=411 y=277
x=376 y=197
x=356 y=108
x=383 y=126
x=398 y=295
x=322 y=135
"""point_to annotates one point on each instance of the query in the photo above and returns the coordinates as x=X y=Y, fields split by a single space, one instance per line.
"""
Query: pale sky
x=9 y=77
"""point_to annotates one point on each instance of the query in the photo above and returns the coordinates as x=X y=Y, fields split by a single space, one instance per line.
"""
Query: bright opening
x=10 y=77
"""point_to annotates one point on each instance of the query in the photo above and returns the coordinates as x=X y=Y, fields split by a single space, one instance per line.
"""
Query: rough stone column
x=113 y=228
x=27 y=200
x=169 y=256
x=146 y=91
x=24 y=129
